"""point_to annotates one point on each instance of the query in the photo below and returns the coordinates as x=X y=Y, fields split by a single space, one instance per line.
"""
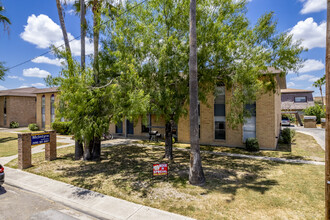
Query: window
x=220 y=114
x=43 y=116
x=119 y=128
x=52 y=108
x=300 y=99
x=249 y=127
x=146 y=128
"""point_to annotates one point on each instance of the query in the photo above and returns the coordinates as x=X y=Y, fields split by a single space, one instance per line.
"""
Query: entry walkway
x=317 y=133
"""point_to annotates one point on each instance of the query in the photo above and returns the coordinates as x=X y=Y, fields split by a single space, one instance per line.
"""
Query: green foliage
x=155 y=38
x=317 y=111
x=62 y=127
x=14 y=124
x=287 y=136
x=291 y=117
x=251 y=144
x=33 y=127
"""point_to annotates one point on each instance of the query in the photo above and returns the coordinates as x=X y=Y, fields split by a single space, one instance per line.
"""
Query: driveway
x=317 y=133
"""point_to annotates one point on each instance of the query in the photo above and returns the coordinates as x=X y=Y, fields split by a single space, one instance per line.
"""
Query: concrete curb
x=90 y=202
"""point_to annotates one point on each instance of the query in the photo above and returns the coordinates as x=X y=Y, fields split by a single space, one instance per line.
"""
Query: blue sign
x=40 y=139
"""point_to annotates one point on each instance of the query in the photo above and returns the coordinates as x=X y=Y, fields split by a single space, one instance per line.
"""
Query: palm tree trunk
x=64 y=32
x=83 y=32
x=196 y=174
x=79 y=149
x=96 y=35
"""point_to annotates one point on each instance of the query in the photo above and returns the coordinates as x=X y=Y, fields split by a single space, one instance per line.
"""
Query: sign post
x=26 y=140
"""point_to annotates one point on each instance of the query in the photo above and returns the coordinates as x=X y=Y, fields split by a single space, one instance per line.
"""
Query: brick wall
x=19 y=109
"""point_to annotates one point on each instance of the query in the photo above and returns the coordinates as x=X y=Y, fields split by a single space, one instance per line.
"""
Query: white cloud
x=21 y=87
x=43 y=59
x=35 y=72
x=2 y=88
x=302 y=77
x=290 y=84
x=313 y=6
x=310 y=33
x=313 y=79
x=38 y=85
x=43 y=32
x=311 y=65
x=16 y=77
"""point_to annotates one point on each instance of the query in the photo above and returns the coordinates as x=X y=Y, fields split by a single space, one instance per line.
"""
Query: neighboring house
x=214 y=128
x=296 y=100
x=17 y=105
x=45 y=107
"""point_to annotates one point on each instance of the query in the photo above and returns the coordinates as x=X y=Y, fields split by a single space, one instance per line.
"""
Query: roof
x=25 y=92
x=46 y=90
x=296 y=91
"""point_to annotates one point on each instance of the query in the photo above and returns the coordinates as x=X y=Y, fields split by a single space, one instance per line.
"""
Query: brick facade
x=19 y=109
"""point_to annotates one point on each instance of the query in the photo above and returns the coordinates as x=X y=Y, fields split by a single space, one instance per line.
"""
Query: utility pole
x=327 y=128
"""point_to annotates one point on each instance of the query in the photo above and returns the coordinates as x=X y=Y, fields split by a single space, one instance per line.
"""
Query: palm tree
x=196 y=174
x=318 y=84
x=64 y=32
x=3 y=19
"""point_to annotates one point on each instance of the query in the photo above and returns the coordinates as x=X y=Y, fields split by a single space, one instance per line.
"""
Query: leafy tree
x=316 y=110
x=318 y=84
x=230 y=51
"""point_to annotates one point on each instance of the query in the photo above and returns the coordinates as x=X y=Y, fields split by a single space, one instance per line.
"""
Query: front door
x=249 y=127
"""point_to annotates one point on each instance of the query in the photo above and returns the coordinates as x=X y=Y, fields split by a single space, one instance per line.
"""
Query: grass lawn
x=303 y=147
x=9 y=145
x=236 y=188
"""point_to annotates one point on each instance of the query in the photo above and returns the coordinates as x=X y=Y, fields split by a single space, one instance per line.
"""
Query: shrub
x=33 y=127
x=287 y=135
x=252 y=144
x=14 y=124
x=317 y=111
x=62 y=127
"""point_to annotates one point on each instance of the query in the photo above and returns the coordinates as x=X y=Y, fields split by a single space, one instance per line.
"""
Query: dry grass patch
x=236 y=188
x=8 y=144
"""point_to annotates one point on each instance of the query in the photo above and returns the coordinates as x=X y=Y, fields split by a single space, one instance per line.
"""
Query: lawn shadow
x=130 y=168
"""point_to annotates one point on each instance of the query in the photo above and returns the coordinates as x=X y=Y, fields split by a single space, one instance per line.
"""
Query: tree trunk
x=65 y=34
x=96 y=35
x=83 y=32
x=79 y=150
x=97 y=149
x=196 y=174
x=88 y=153
x=168 y=141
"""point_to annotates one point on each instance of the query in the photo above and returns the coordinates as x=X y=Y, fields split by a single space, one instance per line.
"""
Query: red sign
x=160 y=169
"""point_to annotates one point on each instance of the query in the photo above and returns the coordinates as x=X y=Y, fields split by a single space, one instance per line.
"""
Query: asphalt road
x=19 y=204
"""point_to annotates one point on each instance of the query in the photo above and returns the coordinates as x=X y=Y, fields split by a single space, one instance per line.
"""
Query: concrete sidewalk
x=90 y=202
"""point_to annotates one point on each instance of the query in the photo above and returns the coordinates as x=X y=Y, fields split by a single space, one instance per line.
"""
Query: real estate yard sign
x=37 y=139
x=160 y=169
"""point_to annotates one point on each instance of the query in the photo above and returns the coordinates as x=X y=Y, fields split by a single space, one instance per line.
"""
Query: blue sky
x=35 y=26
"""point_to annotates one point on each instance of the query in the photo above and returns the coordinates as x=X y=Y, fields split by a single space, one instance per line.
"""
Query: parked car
x=285 y=121
x=2 y=175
